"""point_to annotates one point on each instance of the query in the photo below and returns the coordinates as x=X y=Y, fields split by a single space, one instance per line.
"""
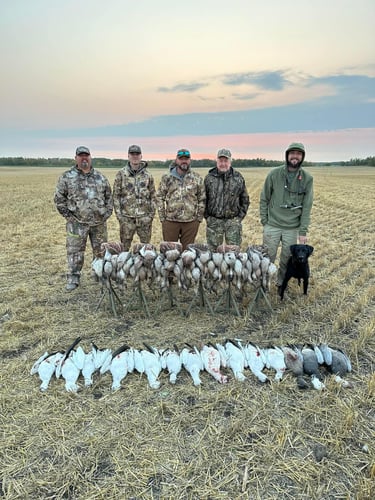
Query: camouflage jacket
x=181 y=199
x=134 y=193
x=85 y=197
x=226 y=194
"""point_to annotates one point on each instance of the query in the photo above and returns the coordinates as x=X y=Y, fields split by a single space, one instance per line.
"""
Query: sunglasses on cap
x=180 y=154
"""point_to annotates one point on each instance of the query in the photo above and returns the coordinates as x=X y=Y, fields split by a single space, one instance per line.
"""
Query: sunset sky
x=251 y=76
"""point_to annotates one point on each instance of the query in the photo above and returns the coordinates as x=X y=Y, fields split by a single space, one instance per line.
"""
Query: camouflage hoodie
x=134 y=192
x=181 y=198
x=226 y=194
x=286 y=198
x=85 y=197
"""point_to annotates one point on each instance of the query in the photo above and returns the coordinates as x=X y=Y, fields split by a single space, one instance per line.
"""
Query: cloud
x=216 y=98
x=266 y=80
x=350 y=105
x=245 y=97
x=315 y=115
x=183 y=87
x=357 y=87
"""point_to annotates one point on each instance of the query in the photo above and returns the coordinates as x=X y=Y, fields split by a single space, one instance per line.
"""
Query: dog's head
x=301 y=252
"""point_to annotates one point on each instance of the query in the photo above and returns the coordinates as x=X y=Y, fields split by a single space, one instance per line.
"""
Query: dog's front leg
x=283 y=287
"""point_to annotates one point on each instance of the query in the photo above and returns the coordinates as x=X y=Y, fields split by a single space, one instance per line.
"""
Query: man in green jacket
x=285 y=206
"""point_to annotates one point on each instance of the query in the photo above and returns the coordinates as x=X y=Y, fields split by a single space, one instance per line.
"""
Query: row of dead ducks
x=305 y=362
x=197 y=264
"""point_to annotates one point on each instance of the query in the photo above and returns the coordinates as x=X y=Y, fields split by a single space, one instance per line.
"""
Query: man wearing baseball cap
x=227 y=202
x=83 y=197
x=134 y=198
x=181 y=200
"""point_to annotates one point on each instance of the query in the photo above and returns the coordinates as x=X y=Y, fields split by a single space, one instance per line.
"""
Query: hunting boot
x=73 y=282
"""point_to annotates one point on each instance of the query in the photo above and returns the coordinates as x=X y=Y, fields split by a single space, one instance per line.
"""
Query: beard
x=294 y=163
x=184 y=167
x=85 y=165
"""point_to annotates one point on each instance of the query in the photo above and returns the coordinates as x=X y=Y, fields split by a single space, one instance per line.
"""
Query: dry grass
x=240 y=440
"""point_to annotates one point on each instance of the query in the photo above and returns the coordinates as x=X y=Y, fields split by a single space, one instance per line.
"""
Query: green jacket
x=287 y=205
x=134 y=193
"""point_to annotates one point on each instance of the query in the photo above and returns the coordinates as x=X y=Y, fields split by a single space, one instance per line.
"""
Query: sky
x=248 y=75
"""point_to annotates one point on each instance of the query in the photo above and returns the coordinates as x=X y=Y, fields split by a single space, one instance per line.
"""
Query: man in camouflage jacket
x=134 y=199
x=227 y=202
x=83 y=197
x=181 y=200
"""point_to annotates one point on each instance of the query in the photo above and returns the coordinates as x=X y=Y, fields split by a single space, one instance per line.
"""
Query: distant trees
x=20 y=161
x=119 y=163
x=204 y=163
x=369 y=161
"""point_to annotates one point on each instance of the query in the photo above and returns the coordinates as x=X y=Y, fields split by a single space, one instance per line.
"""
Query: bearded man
x=181 y=199
x=83 y=197
x=285 y=206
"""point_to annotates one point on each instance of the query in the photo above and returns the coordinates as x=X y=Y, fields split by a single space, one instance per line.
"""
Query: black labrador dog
x=298 y=267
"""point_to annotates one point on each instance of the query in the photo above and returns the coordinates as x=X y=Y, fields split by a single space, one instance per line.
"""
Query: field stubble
x=240 y=440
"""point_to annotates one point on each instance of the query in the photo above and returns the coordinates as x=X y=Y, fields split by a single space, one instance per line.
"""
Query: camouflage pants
x=219 y=229
x=76 y=240
x=140 y=225
x=272 y=237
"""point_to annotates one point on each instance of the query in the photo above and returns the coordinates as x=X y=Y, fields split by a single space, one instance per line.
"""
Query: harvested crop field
x=241 y=440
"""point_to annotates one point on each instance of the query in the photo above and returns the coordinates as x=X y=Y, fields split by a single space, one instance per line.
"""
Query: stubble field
x=239 y=440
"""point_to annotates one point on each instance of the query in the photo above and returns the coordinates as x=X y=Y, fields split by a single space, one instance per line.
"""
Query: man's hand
x=302 y=239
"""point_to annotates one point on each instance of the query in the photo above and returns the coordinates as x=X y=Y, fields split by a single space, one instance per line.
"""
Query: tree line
x=205 y=163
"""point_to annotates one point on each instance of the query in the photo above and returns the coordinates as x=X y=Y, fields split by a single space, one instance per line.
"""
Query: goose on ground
x=294 y=362
x=235 y=359
x=274 y=358
x=152 y=366
x=255 y=361
x=119 y=366
x=46 y=367
x=212 y=362
x=192 y=362
x=173 y=363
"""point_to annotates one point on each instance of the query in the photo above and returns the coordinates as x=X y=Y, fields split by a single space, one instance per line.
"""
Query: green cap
x=296 y=145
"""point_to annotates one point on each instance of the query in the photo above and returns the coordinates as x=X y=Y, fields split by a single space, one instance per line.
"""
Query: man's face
x=135 y=159
x=83 y=161
x=223 y=164
x=183 y=163
x=294 y=158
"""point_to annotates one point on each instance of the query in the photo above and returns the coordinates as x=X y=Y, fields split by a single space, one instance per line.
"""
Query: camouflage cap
x=134 y=149
x=82 y=150
x=224 y=152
